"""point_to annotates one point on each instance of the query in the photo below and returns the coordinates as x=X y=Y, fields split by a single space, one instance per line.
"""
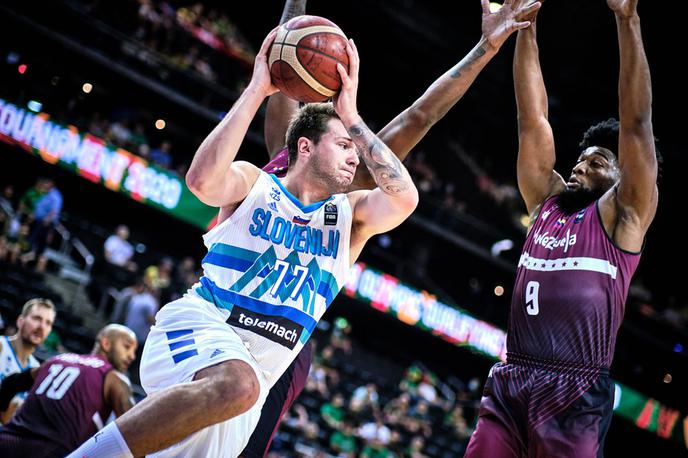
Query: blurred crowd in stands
x=190 y=37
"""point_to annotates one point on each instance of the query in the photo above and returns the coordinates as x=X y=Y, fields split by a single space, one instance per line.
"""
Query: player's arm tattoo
x=387 y=171
x=467 y=62
x=293 y=8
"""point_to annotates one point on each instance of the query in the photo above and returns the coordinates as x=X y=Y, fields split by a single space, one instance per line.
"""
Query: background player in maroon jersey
x=71 y=398
x=554 y=397
x=401 y=135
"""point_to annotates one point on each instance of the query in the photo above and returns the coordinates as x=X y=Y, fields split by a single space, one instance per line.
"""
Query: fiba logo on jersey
x=330 y=215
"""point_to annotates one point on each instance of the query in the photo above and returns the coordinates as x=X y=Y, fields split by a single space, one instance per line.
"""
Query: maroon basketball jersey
x=279 y=164
x=570 y=289
x=65 y=404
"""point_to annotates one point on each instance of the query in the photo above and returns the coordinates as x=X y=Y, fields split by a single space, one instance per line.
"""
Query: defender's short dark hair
x=310 y=122
x=606 y=135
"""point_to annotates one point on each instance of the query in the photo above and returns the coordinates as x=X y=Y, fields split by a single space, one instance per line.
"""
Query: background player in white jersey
x=34 y=323
x=209 y=378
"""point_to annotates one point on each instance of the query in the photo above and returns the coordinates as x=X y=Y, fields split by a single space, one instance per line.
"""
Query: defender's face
x=596 y=170
x=335 y=156
x=122 y=351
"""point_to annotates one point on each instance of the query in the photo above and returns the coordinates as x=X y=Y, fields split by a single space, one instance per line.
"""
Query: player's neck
x=22 y=349
x=308 y=190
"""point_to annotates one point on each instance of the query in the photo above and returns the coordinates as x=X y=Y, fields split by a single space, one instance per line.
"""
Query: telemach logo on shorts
x=278 y=329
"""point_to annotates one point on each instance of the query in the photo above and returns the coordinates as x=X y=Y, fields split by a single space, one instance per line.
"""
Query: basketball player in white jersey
x=277 y=259
x=34 y=323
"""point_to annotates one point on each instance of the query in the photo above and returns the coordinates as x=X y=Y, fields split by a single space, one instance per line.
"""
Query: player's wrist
x=350 y=119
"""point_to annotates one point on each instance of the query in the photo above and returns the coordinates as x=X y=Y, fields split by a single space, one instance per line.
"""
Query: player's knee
x=232 y=390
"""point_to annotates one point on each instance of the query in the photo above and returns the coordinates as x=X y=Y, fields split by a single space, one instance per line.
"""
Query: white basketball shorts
x=189 y=335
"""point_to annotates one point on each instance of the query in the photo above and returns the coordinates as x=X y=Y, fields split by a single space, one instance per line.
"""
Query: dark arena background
x=139 y=84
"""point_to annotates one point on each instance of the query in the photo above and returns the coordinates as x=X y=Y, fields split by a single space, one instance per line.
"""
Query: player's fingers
x=486 y=6
x=354 y=59
x=526 y=10
x=521 y=25
x=268 y=41
x=343 y=75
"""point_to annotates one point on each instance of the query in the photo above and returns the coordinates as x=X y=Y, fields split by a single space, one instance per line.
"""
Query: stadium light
x=160 y=124
x=87 y=88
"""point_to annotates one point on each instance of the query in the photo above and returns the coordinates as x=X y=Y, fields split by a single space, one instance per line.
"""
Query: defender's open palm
x=345 y=101
x=498 y=26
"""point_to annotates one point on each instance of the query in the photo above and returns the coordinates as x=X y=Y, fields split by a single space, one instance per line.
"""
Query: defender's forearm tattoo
x=467 y=62
x=292 y=9
x=387 y=171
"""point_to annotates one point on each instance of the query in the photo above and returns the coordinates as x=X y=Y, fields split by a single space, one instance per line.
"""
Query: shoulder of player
x=116 y=376
x=116 y=384
x=355 y=196
x=248 y=170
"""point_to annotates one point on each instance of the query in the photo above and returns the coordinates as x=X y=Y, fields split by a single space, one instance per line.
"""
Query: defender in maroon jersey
x=71 y=398
x=554 y=397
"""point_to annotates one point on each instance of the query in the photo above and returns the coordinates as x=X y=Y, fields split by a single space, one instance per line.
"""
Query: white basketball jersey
x=275 y=266
x=9 y=363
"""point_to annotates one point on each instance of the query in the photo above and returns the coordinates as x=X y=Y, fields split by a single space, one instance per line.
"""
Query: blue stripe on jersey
x=328 y=287
x=174 y=334
x=227 y=261
x=304 y=208
x=179 y=357
x=181 y=343
x=240 y=259
x=227 y=299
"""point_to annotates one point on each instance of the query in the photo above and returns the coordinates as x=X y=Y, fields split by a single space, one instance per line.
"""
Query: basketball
x=303 y=58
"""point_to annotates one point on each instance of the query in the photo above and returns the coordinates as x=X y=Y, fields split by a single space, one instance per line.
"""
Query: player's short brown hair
x=310 y=122
x=37 y=302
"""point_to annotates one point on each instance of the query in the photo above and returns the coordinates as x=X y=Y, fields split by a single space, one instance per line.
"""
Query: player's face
x=36 y=325
x=122 y=351
x=335 y=157
x=596 y=170
x=594 y=174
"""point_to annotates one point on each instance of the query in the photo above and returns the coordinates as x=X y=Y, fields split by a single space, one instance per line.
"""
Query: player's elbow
x=200 y=186
x=193 y=181
x=419 y=118
x=408 y=201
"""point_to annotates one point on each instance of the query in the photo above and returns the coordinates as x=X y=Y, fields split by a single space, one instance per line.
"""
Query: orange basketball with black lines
x=303 y=58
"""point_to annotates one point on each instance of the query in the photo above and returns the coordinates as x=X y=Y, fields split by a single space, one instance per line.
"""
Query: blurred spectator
x=333 y=412
x=27 y=203
x=377 y=435
x=415 y=450
x=159 y=277
x=46 y=215
x=161 y=155
x=140 y=315
x=118 y=251
x=364 y=400
x=297 y=419
x=343 y=441
x=397 y=409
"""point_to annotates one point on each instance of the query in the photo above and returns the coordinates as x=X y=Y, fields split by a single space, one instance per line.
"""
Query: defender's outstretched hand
x=498 y=26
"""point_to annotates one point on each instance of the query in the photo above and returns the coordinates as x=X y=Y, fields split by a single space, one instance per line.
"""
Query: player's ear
x=304 y=145
x=105 y=343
